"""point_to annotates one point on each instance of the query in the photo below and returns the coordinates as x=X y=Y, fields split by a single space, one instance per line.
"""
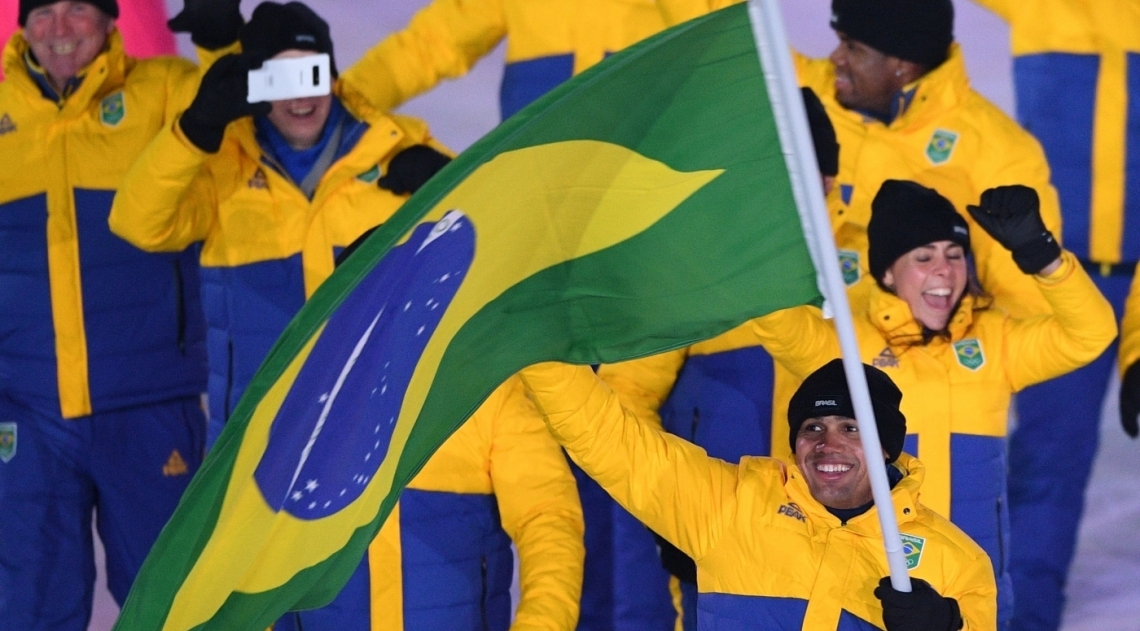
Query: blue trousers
x=1050 y=459
x=128 y=466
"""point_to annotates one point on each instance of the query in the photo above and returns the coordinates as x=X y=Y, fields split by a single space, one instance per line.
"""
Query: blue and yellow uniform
x=101 y=345
x=768 y=554
x=548 y=41
x=957 y=391
x=266 y=247
x=1076 y=71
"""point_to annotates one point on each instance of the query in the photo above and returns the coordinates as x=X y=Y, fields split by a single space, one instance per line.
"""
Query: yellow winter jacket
x=548 y=41
x=956 y=392
x=1075 y=69
x=768 y=555
x=265 y=247
x=89 y=323
x=499 y=475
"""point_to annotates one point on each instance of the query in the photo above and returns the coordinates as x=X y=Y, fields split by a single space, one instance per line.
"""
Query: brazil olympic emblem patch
x=7 y=441
x=912 y=548
x=941 y=146
x=969 y=353
x=112 y=109
x=849 y=264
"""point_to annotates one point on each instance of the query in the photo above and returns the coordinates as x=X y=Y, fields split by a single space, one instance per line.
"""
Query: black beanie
x=822 y=134
x=110 y=7
x=274 y=28
x=915 y=30
x=825 y=393
x=906 y=215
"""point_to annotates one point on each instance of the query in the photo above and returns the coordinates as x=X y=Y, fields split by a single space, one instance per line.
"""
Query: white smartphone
x=290 y=78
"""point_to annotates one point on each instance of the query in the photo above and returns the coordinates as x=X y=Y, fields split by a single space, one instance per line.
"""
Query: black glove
x=822 y=134
x=1012 y=216
x=1130 y=400
x=921 y=609
x=352 y=247
x=212 y=24
x=220 y=101
x=413 y=166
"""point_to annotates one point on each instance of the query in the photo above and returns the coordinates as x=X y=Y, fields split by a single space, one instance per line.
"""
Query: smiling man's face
x=300 y=121
x=830 y=456
x=66 y=36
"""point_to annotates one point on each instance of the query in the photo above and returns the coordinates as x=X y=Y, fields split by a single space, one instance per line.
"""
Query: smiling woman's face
x=931 y=279
x=300 y=121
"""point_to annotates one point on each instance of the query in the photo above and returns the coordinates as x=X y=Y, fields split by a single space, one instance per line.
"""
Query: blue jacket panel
x=731 y=612
x=1065 y=129
x=978 y=503
x=457 y=562
x=27 y=340
x=247 y=307
x=526 y=81
x=723 y=402
x=142 y=313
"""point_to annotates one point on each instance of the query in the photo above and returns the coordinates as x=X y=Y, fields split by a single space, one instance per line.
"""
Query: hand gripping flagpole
x=799 y=152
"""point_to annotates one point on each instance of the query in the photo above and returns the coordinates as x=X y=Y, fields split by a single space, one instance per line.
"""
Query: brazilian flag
x=642 y=206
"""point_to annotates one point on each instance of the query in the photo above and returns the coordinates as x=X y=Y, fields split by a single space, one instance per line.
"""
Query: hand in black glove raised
x=411 y=168
x=212 y=24
x=220 y=101
x=1130 y=400
x=1012 y=216
x=921 y=609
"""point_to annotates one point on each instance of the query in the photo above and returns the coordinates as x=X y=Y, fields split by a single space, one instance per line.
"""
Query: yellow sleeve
x=669 y=484
x=677 y=11
x=976 y=592
x=1077 y=331
x=442 y=41
x=1016 y=158
x=1130 y=326
x=799 y=338
x=644 y=384
x=167 y=200
x=539 y=507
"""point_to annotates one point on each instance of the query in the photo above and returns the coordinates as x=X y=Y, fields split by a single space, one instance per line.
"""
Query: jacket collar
x=105 y=74
x=930 y=95
x=891 y=315
x=904 y=497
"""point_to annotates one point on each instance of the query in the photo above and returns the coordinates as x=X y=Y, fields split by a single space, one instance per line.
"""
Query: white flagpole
x=799 y=152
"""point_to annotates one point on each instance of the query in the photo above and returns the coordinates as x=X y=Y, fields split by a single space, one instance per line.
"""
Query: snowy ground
x=1104 y=582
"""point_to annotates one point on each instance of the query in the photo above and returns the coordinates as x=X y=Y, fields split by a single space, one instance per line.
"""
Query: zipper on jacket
x=483 y=595
x=693 y=427
x=180 y=306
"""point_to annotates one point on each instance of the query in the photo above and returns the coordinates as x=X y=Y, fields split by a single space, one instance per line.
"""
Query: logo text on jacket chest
x=886 y=359
x=791 y=510
x=6 y=124
x=259 y=181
